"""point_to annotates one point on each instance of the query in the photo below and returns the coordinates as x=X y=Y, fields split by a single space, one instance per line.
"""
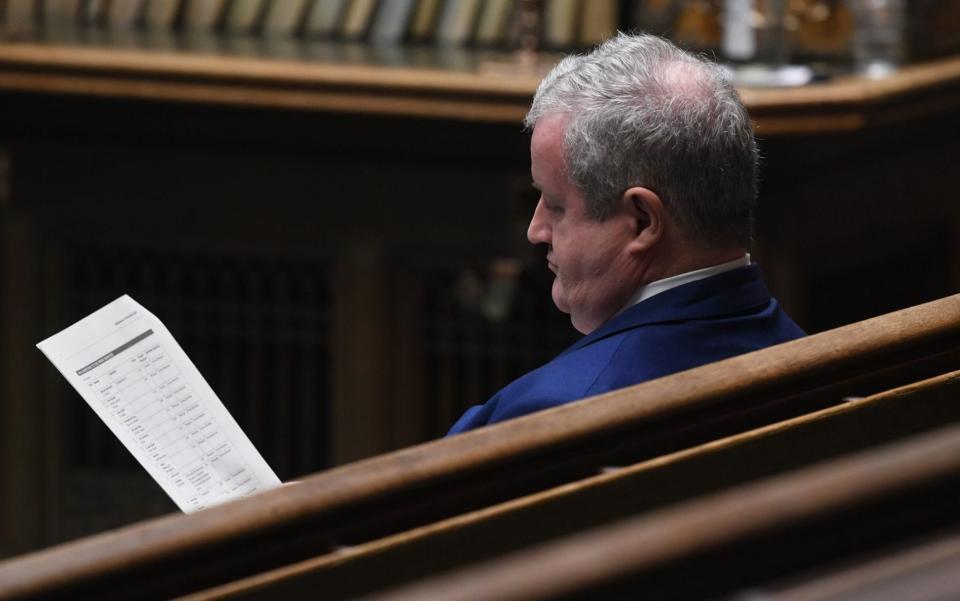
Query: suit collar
x=729 y=292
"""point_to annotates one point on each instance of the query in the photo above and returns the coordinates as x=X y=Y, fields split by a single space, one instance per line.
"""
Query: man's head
x=646 y=161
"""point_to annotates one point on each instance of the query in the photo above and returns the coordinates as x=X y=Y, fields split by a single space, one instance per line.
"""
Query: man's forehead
x=547 y=141
x=551 y=121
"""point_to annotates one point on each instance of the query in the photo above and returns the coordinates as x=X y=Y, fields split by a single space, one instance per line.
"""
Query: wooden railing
x=619 y=494
x=443 y=83
x=421 y=485
x=737 y=541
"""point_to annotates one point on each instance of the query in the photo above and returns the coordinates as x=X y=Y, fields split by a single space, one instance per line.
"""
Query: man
x=646 y=164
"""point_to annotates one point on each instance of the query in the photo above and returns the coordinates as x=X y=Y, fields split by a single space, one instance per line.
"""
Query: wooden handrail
x=423 y=484
x=162 y=72
x=608 y=497
x=735 y=540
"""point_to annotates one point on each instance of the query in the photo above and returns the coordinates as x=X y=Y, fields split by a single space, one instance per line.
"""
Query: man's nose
x=539 y=230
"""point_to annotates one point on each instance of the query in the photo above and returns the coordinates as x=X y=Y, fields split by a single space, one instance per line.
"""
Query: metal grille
x=469 y=354
x=257 y=329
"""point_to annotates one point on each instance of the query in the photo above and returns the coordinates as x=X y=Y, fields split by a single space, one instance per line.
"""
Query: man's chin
x=559 y=299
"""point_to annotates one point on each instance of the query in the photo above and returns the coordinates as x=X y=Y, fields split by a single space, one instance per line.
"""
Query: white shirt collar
x=654 y=288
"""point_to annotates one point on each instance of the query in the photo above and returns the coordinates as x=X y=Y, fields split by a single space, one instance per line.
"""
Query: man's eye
x=553 y=208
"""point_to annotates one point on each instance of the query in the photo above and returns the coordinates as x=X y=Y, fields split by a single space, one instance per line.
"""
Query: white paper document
x=127 y=366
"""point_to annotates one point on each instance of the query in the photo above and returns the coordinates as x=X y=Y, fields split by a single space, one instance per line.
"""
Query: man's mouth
x=551 y=265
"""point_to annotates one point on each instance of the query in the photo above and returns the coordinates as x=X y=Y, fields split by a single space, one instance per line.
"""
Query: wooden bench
x=738 y=540
x=618 y=494
x=420 y=485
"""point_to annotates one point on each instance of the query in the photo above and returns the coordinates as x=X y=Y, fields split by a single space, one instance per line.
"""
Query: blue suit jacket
x=684 y=327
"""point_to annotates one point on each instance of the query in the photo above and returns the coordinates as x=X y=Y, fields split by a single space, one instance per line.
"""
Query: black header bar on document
x=113 y=353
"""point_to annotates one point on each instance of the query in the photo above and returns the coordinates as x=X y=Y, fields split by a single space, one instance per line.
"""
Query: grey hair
x=642 y=112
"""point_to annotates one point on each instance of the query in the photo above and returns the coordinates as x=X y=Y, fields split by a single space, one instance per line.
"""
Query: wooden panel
x=610 y=496
x=362 y=337
x=419 y=485
x=20 y=420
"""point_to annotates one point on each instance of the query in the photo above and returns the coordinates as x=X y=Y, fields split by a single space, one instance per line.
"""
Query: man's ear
x=650 y=216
